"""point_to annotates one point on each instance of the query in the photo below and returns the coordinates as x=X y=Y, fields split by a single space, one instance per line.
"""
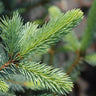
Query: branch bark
x=76 y=61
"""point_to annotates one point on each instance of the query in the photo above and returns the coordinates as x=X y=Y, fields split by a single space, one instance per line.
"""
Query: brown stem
x=11 y=61
x=52 y=52
x=6 y=64
x=15 y=82
x=74 y=63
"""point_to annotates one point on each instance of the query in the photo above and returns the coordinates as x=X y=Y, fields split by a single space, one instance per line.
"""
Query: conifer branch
x=45 y=36
x=23 y=41
x=48 y=77
x=3 y=86
x=6 y=64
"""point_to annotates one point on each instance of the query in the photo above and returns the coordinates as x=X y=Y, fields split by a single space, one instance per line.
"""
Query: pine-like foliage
x=71 y=40
x=74 y=66
x=46 y=76
x=3 y=86
x=6 y=94
x=72 y=44
x=90 y=28
x=79 y=48
x=21 y=42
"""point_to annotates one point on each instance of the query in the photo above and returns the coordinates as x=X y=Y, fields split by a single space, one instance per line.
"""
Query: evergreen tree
x=20 y=48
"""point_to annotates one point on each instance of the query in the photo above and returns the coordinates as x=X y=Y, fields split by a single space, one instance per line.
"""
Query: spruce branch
x=49 y=33
x=70 y=38
x=22 y=41
x=10 y=32
x=28 y=35
x=19 y=82
x=48 y=77
x=3 y=86
x=39 y=39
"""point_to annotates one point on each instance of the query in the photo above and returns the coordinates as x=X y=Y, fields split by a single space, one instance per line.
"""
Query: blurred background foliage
x=62 y=54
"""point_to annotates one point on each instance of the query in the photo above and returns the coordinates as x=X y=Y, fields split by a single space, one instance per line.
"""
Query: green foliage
x=91 y=59
x=72 y=42
x=28 y=32
x=10 y=32
x=70 y=38
x=39 y=39
x=47 y=95
x=3 y=57
x=6 y=94
x=90 y=28
x=23 y=41
x=65 y=48
x=36 y=37
x=40 y=22
x=46 y=76
x=3 y=86
x=54 y=12
x=16 y=83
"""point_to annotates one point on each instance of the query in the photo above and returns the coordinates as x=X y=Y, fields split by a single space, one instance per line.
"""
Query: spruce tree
x=20 y=48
